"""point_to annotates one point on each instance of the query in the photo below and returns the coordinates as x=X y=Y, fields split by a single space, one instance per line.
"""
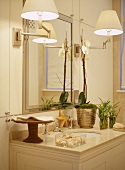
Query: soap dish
x=69 y=140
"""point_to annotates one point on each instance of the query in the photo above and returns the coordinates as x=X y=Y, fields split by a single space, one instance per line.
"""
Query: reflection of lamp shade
x=51 y=39
x=36 y=9
x=108 y=22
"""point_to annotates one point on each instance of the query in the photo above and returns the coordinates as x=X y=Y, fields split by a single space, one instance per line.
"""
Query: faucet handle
x=7 y=115
x=71 y=124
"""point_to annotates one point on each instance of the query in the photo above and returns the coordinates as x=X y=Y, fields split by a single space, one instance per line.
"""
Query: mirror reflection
x=44 y=65
x=55 y=58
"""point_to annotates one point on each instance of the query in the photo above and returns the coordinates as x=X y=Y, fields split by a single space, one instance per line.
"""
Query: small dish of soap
x=69 y=140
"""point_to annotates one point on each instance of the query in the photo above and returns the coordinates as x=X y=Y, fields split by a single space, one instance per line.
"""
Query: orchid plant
x=66 y=53
x=84 y=55
x=85 y=48
x=62 y=52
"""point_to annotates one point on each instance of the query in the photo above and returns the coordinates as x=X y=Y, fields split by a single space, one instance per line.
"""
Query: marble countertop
x=106 y=140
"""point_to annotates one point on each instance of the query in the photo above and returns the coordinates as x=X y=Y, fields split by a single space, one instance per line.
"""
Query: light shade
x=42 y=32
x=39 y=9
x=108 y=23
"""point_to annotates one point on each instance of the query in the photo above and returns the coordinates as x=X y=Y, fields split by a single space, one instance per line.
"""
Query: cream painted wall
x=99 y=67
x=15 y=60
x=11 y=77
x=4 y=54
x=10 y=59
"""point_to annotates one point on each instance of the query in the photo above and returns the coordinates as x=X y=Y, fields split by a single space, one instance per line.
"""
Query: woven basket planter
x=86 y=117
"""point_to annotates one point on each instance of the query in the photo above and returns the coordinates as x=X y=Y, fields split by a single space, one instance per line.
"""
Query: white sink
x=87 y=134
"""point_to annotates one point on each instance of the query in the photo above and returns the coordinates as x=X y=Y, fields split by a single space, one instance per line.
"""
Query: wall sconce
x=46 y=34
x=108 y=25
x=41 y=10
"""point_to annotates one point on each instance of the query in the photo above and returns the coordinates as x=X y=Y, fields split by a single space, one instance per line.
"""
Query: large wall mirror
x=43 y=67
x=122 y=51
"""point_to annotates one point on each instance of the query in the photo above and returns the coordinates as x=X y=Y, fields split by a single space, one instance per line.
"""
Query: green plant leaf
x=42 y=99
x=63 y=97
x=82 y=98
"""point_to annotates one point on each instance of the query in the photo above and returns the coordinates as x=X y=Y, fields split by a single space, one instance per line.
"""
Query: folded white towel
x=118 y=126
x=38 y=118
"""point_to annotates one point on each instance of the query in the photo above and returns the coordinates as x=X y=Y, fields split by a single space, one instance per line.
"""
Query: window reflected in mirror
x=55 y=58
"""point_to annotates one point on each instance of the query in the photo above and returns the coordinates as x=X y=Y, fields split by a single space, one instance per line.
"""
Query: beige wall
x=99 y=67
x=10 y=74
x=4 y=64
x=10 y=59
x=117 y=96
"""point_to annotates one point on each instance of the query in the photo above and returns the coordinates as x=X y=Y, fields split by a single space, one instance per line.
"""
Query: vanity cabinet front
x=23 y=158
x=25 y=161
x=34 y=157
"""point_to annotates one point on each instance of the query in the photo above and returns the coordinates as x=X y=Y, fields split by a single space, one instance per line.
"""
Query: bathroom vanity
x=104 y=151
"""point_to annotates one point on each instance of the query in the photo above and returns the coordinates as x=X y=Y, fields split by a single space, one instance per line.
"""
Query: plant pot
x=112 y=121
x=86 y=117
x=104 y=123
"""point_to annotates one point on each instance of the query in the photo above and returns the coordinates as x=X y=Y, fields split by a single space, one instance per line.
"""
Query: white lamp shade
x=36 y=9
x=51 y=39
x=108 y=22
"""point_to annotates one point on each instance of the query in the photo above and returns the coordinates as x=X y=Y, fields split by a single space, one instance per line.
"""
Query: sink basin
x=87 y=134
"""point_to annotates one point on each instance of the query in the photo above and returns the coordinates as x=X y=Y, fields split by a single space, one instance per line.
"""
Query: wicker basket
x=86 y=117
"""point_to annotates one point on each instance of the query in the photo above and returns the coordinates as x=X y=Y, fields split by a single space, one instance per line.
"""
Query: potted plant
x=86 y=112
x=47 y=104
x=103 y=111
x=63 y=99
x=107 y=111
